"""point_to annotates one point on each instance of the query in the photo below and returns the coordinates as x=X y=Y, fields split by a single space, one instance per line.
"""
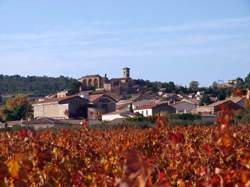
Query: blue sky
x=161 y=40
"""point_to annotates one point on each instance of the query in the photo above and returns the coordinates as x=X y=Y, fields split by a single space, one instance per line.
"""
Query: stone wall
x=51 y=110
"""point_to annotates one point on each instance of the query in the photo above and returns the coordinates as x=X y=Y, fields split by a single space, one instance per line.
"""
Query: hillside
x=35 y=85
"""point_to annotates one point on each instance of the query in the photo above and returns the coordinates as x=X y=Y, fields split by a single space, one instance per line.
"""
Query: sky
x=160 y=40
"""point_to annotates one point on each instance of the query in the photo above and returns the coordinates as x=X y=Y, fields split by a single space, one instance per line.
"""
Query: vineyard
x=181 y=156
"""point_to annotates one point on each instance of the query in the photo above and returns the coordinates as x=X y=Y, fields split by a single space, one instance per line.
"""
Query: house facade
x=61 y=108
x=241 y=101
x=217 y=107
x=184 y=106
x=154 y=109
x=100 y=104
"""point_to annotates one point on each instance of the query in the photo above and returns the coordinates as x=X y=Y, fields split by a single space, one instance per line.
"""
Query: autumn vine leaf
x=14 y=167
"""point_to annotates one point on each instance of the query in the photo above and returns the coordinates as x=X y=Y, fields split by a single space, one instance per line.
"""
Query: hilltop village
x=103 y=99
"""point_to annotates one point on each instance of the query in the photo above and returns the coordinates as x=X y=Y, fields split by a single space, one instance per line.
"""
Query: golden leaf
x=13 y=167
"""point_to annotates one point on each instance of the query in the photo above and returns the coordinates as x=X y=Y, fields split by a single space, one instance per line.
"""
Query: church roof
x=91 y=76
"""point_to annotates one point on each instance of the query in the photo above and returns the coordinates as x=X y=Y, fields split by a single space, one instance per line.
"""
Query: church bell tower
x=126 y=73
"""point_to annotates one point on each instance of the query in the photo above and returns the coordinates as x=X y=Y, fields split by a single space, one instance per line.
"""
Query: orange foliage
x=13 y=167
x=156 y=157
x=16 y=101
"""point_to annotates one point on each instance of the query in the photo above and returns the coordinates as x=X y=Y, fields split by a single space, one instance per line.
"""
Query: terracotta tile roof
x=89 y=76
x=94 y=97
x=219 y=103
x=236 y=99
x=44 y=121
x=55 y=100
x=146 y=106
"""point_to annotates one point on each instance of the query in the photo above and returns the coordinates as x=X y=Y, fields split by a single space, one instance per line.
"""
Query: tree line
x=35 y=85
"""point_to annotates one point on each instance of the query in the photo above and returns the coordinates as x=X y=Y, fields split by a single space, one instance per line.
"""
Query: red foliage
x=160 y=157
x=23 y=133
x=176 y=137
x=226 y=116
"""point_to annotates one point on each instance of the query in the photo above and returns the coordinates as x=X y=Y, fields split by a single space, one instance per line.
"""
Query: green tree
x=39 y=86
x=194 y=86
x=16 y=108
x=221 y=95
x=215 y=85
x=205 y=100
x=247 y=81
x=74 y=87
x=169 y=86
x=240 y=83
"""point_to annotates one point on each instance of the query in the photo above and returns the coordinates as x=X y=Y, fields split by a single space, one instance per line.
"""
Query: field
x=181 y=156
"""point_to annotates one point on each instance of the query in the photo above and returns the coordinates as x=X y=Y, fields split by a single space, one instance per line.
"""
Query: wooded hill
x=34 y=85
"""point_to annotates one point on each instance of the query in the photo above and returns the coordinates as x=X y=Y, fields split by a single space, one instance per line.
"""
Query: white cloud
x=212 y=24
x=94 y=41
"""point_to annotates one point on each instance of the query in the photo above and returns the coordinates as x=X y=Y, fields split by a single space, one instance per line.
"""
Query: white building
x=184 y=106
x=154 y=109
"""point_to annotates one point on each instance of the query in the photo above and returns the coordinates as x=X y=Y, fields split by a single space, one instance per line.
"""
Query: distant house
x=100 y=104
x=238 y=100
x=171 y=98
x=123 y=105
x=142 y=102
x=216 y=107
x=63 y=93
x=146 y=96
x=61 y=108
x=154 y=109
x=184 y=106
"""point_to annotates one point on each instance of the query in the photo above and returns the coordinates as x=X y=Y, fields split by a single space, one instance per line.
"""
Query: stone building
x=115 y=85
x=154 y=109
x=100 y=104
x=89 y=82
x=217 y=107
x=184 y=106
x=61 y=108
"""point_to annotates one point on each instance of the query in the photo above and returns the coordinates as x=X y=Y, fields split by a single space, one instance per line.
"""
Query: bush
x=16 y=127
x=187 y=116
x=243 y=117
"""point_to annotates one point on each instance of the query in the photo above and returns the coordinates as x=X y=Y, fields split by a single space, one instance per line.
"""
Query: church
x=114 y=85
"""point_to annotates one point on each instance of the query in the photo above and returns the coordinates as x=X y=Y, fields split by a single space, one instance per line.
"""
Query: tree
x=74 y=87
x=221 y=95
x=16 y=108
x=240 y=83
x=40 y=86
x=247 y=81
x=194 y=86
x=205 y=100
x=170 y=86
x=215 y=85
